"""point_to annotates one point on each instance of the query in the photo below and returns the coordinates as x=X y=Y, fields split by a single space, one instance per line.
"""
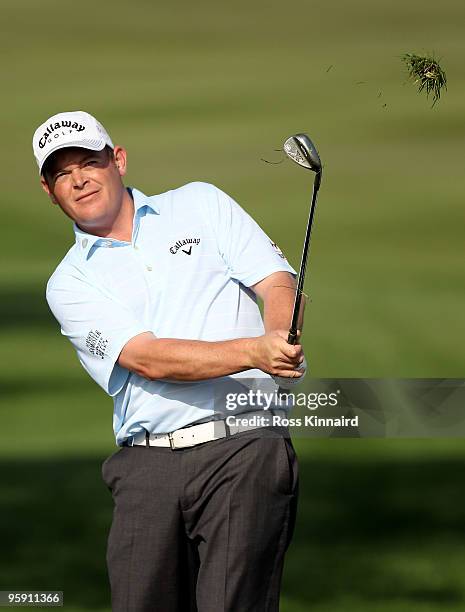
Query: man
x=158 y=297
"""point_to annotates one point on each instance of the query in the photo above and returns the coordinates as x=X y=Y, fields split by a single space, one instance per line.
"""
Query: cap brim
x=78 y=145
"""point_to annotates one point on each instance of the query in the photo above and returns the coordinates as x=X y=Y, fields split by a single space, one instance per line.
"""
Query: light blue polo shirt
x=185 y=274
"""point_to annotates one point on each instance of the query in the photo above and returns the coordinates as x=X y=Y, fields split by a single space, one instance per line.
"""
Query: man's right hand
x=272 y=354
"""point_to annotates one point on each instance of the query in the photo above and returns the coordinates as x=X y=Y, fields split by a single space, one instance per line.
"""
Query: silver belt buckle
x=171 y=439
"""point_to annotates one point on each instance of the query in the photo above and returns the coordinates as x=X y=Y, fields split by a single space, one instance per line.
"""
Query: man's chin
x=92 y=224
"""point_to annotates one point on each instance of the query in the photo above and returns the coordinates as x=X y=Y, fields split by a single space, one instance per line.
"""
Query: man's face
x=87 y=185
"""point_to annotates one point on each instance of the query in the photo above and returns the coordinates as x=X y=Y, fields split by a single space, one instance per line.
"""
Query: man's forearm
x=190 y=360
x=277 y=308
x=278 y=302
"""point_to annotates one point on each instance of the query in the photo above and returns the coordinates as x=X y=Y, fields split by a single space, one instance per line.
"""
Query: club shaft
x=292 y=337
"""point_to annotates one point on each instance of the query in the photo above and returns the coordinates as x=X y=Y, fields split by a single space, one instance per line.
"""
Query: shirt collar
x=86 y=242
x=141 y=200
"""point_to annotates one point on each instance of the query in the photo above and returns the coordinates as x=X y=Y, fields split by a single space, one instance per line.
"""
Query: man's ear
x=120 y=156
x=46 y=188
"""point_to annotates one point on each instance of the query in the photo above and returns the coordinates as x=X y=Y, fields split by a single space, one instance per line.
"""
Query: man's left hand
x=287 y=383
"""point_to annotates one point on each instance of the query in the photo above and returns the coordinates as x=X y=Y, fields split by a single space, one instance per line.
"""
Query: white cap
x=72 y=129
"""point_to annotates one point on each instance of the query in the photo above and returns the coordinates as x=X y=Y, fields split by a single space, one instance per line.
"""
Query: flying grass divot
x=427 y=73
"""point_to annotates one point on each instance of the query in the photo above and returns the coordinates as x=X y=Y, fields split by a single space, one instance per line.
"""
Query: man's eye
x=91 y=162
x=59 y=175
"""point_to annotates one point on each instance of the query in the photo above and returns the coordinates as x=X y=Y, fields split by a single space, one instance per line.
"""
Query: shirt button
x=149 y=268
x=136 y=248
x=84 y=242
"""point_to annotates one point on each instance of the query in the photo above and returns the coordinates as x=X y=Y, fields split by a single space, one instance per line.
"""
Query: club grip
x=292 y=337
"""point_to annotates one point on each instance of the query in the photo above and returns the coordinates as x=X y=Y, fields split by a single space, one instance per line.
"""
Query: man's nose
x=79 y=180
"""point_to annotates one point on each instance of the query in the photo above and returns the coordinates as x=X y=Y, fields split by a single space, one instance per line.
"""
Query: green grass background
x=203 y=91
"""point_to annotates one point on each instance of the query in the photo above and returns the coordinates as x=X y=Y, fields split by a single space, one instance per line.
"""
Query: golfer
x=158 y=295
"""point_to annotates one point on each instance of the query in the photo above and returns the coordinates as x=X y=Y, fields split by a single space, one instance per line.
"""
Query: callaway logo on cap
x=72 y=129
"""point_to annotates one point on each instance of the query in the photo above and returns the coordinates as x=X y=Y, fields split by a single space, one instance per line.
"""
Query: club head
x=302 y=151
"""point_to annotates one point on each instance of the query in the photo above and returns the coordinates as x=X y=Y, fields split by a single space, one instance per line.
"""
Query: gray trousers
x=202 y=529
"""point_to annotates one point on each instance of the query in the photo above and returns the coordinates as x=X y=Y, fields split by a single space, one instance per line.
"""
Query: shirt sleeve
x=97 y=326
x=246 y=249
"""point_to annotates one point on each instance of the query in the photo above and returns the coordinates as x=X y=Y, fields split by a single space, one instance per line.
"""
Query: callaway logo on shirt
x=187 y=242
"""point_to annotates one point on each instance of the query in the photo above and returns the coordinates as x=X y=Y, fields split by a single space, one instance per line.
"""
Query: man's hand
x=289 y=383
x=272 y=354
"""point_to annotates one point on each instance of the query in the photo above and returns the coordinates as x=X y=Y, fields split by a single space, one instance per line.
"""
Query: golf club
x=302 y=151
